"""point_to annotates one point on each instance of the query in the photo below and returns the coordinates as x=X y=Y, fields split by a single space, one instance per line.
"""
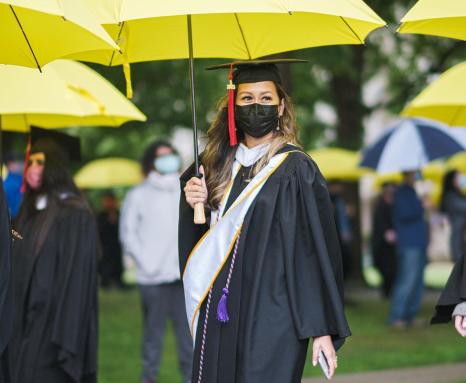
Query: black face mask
x=256 y=120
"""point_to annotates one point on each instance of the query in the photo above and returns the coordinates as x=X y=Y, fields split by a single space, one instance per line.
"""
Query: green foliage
x=372 y=347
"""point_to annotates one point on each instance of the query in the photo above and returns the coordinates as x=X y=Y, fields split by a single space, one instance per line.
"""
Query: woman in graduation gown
x=54 y=266
x=6 y=301
x=266 y=276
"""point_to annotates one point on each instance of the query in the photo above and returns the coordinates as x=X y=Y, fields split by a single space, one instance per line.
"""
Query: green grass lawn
x=373 y=346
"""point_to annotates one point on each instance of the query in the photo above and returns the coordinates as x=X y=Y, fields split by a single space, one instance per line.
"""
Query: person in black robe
x=286 y=283
x=384 y=239
x=111 y=264
x=6 y=291
x=55 y=271
x=452 y=301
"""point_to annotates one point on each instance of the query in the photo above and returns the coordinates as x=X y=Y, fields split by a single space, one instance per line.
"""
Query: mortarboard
x=242 y=72
x=68 y=144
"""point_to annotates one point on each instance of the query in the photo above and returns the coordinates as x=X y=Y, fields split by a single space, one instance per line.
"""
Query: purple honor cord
x=222 y=308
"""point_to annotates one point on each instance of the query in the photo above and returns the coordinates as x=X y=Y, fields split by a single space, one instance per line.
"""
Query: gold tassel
x=129 y=85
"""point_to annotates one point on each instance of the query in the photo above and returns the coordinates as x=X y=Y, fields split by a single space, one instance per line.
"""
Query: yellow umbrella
x=435 y=17
x=443 y=100
x=108 y=173
x=34 y=32
x=66 y=93
x=433 y=172
x=149 y=30
x=242 y=29
x=338 y=164
x=457 y=162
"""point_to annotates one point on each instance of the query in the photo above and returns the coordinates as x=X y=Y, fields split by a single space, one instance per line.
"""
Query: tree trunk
x=347 y=92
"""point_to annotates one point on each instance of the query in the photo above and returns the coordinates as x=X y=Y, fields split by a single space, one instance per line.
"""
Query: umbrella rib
x=118 y=38
x=352 y=30
x=242 y=35
x=456 y=114
x=26 y=38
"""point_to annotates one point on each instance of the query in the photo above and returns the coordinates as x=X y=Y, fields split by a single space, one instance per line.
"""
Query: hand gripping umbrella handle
x=199 y=214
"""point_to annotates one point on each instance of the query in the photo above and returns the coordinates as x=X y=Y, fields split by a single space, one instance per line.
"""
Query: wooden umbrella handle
x=199 y=214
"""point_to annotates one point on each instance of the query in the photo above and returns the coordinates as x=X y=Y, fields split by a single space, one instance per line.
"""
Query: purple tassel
x=222 y=309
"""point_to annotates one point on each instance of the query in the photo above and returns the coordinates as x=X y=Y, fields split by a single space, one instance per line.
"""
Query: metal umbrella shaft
x=193 y=97
x=199 y=214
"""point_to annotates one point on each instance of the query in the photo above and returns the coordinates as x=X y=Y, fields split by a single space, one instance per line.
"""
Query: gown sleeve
x=313 y=264
x=188 y=232
x=453 y=293
x=74 y=330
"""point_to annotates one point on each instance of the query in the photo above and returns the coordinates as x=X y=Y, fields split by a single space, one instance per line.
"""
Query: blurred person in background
x=384 y=238
x=6 y=301
x=452 y=302
x=453 y=204
x=111 y=263
x=411 y=242
x=54 y=270
x=12 y=183
x=343 y=224
x=149 y=234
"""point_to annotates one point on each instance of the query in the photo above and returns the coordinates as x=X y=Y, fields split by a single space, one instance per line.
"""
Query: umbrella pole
x=199 y=214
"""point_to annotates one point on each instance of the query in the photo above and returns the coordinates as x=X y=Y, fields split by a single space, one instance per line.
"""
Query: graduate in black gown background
x=452 y=302
x=6 y=301
x=55 y=270
x=111 y=263
x=282 y=282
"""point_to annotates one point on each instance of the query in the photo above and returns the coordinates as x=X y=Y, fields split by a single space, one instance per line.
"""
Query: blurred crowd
x=144 y=236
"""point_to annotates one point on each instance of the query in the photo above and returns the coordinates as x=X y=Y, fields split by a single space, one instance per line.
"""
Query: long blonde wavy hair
x=219 y=156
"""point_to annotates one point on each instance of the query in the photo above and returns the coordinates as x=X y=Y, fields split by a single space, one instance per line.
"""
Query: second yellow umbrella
x=435 y=17
x=443 y=100
x=33 y=32
x=338 y=164
x=67 y=93
x=108 y=173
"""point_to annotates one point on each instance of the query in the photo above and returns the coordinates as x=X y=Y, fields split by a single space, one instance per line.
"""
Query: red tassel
x=231 y=109
x=26 y=162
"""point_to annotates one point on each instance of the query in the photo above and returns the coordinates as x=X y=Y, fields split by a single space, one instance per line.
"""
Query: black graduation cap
x=242 y=72
x=68 y=144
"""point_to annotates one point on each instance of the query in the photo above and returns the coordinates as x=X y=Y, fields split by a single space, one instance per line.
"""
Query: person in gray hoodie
x=149 y=235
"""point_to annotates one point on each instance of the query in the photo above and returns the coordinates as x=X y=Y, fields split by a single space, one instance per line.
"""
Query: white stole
x=212 y=251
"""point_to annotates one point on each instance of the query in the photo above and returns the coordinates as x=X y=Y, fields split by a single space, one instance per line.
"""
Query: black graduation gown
x=6 y=291
x=453 y=293
x=287 y=283
x=384 y=253
x=111 y=263
x=55 y=335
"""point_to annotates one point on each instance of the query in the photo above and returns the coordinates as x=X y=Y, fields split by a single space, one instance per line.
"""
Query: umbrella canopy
x=457 y=162
x=37 y=32
x=444 y=99
x=338 y=164
x=434 y=17
x=410 y=145
x=108 y=173
x=67 y=93
x=240 y=29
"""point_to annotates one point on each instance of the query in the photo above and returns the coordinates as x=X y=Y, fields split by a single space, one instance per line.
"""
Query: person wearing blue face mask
x=149 y=235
